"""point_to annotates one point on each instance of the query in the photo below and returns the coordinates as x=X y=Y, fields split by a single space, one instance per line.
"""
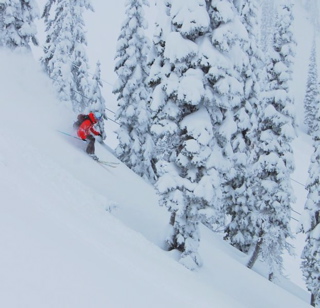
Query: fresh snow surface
x=76 y=234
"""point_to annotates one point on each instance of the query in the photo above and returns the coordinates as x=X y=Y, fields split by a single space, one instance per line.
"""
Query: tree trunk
x=256 y=252
x=313 y=300
x=271 y=276
x=173 y=242
x=172 y=218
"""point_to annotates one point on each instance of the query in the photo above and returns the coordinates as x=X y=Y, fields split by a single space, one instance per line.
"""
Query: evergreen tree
x=240 y=230
x=312 y=97
x=135 y=142
x=17 y=23
x=311 y=215
x=64 y=57
x=80 y=67
x=2 y=17
x=97 y=102
x=274 y=159
x=57 y=49
x=183 y=106
x=162 y=145
x=311 y=222
x=225 y=63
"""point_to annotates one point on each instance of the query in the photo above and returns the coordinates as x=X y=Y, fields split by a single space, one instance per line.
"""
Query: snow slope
x=75 y=234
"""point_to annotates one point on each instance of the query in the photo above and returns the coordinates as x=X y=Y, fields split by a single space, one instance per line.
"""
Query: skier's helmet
x=98 y=115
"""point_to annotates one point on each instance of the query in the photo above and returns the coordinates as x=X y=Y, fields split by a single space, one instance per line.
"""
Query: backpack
x=80 y=119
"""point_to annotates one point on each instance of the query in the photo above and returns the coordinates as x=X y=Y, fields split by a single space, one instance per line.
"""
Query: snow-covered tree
x=135 y=142
x=224 y=61
x=163 y=147
x=57 y=60
x=312 y=97
x=2 y=16
x=80 y=66
x=239 y=230
x=182 y=106
x=311 y=222
x=311 y=215
x=17 y=23
x=274 y=164
x=97 y=102
x=64 y=57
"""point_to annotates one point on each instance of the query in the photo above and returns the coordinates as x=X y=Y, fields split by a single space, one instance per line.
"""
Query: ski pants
x=90 y=148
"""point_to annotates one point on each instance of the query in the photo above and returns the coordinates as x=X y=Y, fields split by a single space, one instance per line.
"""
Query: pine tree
x=162 y=146
x=57 y=49
x=311 y=223
x=225 y=63
x=135 y=142
x=240 y=230
x=274 y=158
x=64 y=57
x=188 y=164
x=311 y=215
x=312 y=97
x=17 y=23
x=80 y=67
x=2 y=17
x=97 y=102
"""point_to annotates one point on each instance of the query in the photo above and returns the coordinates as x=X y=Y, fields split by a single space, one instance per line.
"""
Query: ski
x=102 y=162
x=70 y=135
x=108 y=164
x=94 y=157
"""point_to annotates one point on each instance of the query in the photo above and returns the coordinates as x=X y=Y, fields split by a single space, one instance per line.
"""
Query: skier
x=86 y=132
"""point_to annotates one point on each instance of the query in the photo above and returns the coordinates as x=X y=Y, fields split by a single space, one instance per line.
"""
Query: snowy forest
x=205 y=113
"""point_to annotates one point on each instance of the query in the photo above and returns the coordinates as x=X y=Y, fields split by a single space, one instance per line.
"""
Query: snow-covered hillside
x=74 y=234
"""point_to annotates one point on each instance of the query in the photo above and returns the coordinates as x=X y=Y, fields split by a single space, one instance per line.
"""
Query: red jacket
x=86 y=128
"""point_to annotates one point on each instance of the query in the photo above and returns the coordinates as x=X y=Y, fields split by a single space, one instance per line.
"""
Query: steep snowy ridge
x=61 y=246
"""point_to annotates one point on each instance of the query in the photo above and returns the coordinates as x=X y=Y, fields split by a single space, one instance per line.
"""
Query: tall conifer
x=17 y=23
x=274 y=158
x=311 y=215
x=195 y=90
x=97 y=101
x=311 y=223
x=64 y=57
x=240 y=230
x=312 y=96
x=135 y=142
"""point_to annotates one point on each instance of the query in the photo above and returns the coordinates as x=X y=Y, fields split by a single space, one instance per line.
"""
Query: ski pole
x=71 y=135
